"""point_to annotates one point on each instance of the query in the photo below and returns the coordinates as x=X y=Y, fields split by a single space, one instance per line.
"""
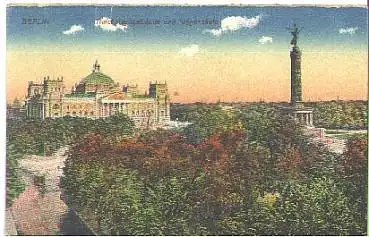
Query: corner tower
x=159 y=91
x=53 y=97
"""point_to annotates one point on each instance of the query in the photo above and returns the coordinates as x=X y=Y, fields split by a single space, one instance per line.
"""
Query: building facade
x=98 y=96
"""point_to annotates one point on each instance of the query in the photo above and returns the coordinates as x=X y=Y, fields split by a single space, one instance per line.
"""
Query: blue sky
x=324 y=29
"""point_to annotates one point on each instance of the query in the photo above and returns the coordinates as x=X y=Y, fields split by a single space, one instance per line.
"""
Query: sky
x=206 y=54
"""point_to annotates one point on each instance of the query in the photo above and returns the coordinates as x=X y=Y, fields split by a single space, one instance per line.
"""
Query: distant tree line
x=335 y=114
x=245 y=172
x=341 y=114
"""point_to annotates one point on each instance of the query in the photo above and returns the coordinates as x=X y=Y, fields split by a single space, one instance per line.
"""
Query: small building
x=98 y=96
x=15 y=110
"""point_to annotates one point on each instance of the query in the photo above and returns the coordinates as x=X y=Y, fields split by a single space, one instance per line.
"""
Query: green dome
x=97 y=78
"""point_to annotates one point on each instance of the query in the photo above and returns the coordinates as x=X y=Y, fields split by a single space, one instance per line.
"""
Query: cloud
x=106 y=24
x=349 y=31
x=234 y=23
x=190 y=50
x=215 y=32
x=265 y=40
x=73 y=30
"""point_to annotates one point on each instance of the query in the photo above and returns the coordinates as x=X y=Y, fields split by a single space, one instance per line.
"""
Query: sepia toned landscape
x=186 y=120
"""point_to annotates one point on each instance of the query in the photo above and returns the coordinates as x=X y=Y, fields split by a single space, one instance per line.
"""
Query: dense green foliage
x=248 y=172
x=353 y=168
x=14 y=183
x=341 y=114
x=327 y=114
x=43 y=137
x=209 y=121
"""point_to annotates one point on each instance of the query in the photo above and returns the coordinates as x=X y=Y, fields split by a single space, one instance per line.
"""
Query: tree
x=353 y=170
x=14 y=183
x=317 y=207
x=213 y=179
x=209 y=122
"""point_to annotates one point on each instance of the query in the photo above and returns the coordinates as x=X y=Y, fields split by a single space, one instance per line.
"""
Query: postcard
x=186 y=119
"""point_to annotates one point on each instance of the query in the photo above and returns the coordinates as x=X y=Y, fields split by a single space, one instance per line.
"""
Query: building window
x=92 y=113
x=74 y=113
x=86 y=113
x=133 y=113
x=68 y=107
x=162 y=113
x=137 y=113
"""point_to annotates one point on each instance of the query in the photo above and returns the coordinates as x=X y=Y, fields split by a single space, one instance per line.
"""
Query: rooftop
x=81 y=95
x=97 y=77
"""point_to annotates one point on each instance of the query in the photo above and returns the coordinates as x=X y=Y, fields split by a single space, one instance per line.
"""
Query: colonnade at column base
x=302 y=114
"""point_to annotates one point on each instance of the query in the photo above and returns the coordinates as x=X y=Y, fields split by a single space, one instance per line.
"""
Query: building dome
x=95 y=82
x=96 y=77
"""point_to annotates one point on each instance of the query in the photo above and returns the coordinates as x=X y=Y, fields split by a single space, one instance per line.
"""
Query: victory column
x=297 y=109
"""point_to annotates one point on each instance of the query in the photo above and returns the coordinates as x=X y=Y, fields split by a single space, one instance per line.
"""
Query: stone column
x=124 y=105
x=296 y=91
x=308 y=119
x=43 y=111
x=103 y=110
